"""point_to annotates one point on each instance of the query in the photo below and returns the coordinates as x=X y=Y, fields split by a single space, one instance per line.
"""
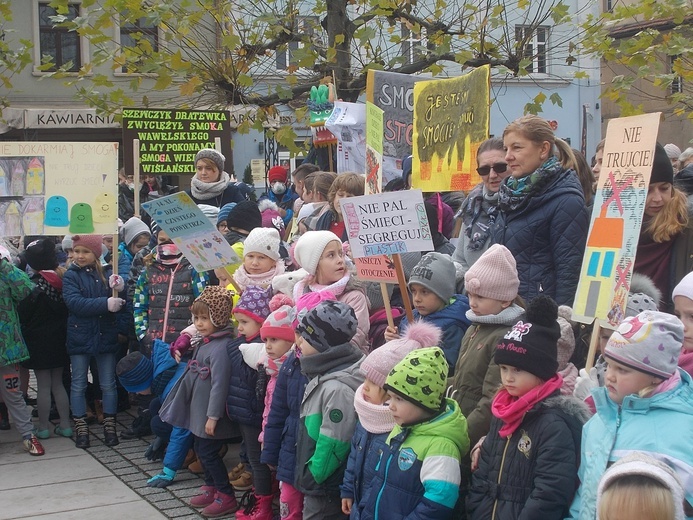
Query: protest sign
x=348 y=123
x=451 y=120
x=379 y=268
x=193 y=233
x=374 y=149
x=58 y=188
x=386 y=223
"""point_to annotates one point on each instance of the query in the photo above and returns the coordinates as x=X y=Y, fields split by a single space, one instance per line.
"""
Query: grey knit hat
x=436 y=272
x=213 y=155
x=328 y=325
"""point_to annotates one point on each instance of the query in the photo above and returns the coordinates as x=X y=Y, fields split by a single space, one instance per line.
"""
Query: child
x=432 y=286
x=15 y=286
x=646 y=405
x=331 y=364
x=197 y=401
x=66 y=245
x=683 y=306
x=642 y=487
x=321 y=254
x=261 y=261
x=375 y=420
x=346 y=185
x=529 y=459
x=92 y=332
x=136 y=236
x=418 y=476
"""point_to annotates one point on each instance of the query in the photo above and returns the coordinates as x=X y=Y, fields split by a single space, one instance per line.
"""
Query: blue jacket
x=661 y=426
x=547 y=237
x=279 y=448
x=452 y=320
x=366 y=450
x=91 y=329
x=242 y=403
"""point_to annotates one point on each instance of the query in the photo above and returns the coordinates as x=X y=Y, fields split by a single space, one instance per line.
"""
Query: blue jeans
x=80 y=366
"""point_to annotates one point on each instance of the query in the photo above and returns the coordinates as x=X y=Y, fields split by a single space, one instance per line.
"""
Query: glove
x=585 y=383
x=156 y=449
x=163 y=479
x=115 y=281
x=115 y=304
x=182 y=345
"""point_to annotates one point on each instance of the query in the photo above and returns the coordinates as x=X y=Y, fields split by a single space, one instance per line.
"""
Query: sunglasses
x=499 y=167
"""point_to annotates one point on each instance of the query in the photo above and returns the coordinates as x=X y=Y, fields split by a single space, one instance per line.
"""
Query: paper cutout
x=81 y=219
x=104 y=208
x=56 y=212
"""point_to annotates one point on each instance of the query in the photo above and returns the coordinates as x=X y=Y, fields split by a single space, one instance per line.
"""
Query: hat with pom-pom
x=279 y=324
x=566 y=343
x=264 y=241
x=254 y=303
x=310 y=247
x=420 y=378
x=494 y=275
x=271 y=218
x=643 y=295
x=531 y=345
x=382 y=360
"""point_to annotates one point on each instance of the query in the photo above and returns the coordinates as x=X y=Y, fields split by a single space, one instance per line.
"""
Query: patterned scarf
x=243 y=279
x=479 y=215
x=515 y=193
x=375 y=418
x=336 y=288
x=207 y=190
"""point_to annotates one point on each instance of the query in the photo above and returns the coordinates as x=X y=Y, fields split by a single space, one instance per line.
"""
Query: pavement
x=67 y=483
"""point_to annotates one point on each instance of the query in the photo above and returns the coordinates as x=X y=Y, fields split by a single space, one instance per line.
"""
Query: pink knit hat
x=382 y=360
x=494 y=275
x=279 y=324
x=93 y=243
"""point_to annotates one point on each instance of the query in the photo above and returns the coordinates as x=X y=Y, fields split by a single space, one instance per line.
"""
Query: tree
x=15 y=53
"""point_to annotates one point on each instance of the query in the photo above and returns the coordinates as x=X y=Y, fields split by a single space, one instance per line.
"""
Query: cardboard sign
x=379 y=268
x=386 y=223
x=451 y=120
x=374 y=149
x=619 y=203
x=193 y=233
x=167 y=140
x=58 y=188
x=348 y=123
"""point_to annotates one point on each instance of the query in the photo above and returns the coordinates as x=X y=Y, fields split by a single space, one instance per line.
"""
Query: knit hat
x=254 y=303
x=494 y=275
x=406 y=168
x=662 y=170
x=638 y=463
x=271 y=217
x=220 y=302
x=279 y=324
x=224 y=212
x=382 y=360
x=263 y=240
x=684 y=287
x=309 y=248
x=649 y=342
x=67 y=242
x=328 y=325
x=643 y=295
x=420 y=378
x=5 y=253
x=135 y=372
x=211 y=212
x=673 y=151
x=244 y=215
x=41 y=255
x=566 y=343
x=132 y=229
x=531 y=345
x=93 y=243
x=277 y=174
x=212 y=154
x=436 y=272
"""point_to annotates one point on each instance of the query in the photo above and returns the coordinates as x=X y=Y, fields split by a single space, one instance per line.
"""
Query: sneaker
x=221 y=506
x=244 y=482
x=205 y=498
x=236 y=472
x=63 y=432
x=43 y=434
x=33 y=446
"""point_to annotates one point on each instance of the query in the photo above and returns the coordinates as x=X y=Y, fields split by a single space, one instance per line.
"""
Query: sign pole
x=386 y=302
x=594 y=341
x=403 y=287
x=114 y=261
x=136 y=173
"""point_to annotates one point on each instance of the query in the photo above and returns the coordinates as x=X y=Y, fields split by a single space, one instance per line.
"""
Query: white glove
x=585 y=383
x=253 y=354
x=115 y=281
x=115 y=304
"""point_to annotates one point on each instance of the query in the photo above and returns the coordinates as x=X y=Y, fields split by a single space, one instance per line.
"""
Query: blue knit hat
x=135 y=372
x=224 y=212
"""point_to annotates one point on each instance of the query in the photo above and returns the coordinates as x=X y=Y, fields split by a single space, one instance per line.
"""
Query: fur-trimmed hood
x=641 y=283
x=569 y=405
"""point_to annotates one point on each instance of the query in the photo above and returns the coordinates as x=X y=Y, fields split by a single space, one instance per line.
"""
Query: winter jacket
x=661 y=426
x=366 y=450
x=325 y=221
x=280 y=434
x=201 y=392
x=91 y=329
x=547 y=237
x=242 y=403
x=125 y=258
x=15 y=285
x=452 y=320
x=326 y=426
x=418 y=476
x=533 y=473
x=232 y=193
x=44 y=323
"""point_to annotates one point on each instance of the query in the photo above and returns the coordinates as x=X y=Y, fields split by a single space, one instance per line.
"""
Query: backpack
x=378 y=321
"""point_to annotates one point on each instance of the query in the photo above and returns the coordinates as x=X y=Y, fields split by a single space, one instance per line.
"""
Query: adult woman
x=543 y=219
x=211 y=184
x=479 y=209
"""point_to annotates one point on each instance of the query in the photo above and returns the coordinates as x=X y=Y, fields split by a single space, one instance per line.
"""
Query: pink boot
x=222 y=505
x=205 y=498
x=260 y=508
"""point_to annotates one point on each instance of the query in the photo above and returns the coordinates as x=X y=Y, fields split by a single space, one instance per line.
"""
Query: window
x=140 y=32
x=677 y=82
x=535 y=41
x=412 y=45
x=61 y=45
x=608 y=5
x=305 y=25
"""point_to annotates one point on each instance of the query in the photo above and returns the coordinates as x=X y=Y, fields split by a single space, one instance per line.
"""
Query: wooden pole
x=114 y=259
x=401 y=279
x=594 y=343
x=388 y=306
x=136 y=174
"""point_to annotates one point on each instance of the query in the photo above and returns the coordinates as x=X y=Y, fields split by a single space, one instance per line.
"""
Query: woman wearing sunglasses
x=542 y=217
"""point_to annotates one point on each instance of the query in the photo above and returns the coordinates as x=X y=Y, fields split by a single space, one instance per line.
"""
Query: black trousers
x=213 y=465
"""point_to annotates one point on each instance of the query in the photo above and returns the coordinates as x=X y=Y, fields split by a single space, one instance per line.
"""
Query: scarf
x=168 y=254
x=243 y=279
x=515 y=193
x=336 y=289
x=375 y=418
x=507 y=316
x=272 y=366
x=208 y=190
x=511 y=410
x=668 y=384
x=479 y=216
x=332 y=360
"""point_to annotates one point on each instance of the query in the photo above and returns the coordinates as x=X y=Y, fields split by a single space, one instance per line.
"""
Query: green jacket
x=15 y=285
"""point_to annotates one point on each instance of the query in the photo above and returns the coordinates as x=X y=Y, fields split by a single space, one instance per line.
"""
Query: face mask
x=168 y=253
x=131 y=186
x=278 y=188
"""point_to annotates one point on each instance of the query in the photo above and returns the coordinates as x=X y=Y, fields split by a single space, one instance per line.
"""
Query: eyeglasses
x=499 y=167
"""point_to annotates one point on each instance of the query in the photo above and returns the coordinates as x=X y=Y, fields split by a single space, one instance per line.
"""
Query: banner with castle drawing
x=451 y=120
x=617 y=216
x=58 y=188
x=193 y=233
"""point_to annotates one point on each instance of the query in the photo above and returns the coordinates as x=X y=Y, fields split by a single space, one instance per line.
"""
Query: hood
x=445 y=425
x=350 y=376
x=569 y=405
x=684 y=180
x=456 y=309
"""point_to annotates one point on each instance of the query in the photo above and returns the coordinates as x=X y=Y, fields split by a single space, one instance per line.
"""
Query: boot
x=259 y=508
x=82 y=433
x=223 y=505
x=98 y=408
x=205 y=498
x=110 y=437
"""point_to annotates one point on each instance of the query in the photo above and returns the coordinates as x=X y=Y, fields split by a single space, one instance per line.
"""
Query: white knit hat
x=263 y=240
x=211 y=212
x=673 y=151
x=494 y=275
x=685 y=287
x=309 y=248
